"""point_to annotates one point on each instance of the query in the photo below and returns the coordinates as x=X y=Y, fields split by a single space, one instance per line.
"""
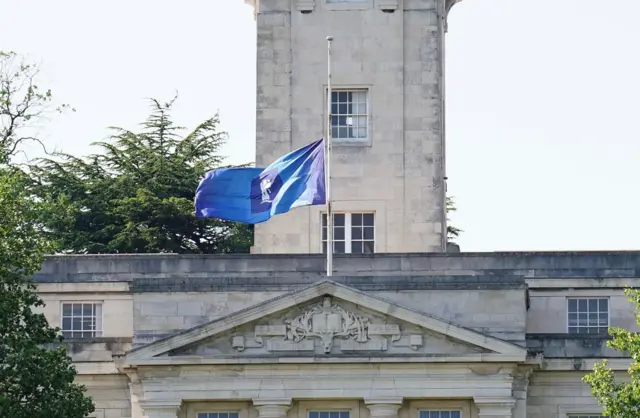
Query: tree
x=619 y=399
x=452 y=231
x=36 y=380
x=137 y=194
x=22 y=104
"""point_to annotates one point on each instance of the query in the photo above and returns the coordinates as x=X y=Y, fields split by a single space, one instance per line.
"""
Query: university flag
x=254 y=195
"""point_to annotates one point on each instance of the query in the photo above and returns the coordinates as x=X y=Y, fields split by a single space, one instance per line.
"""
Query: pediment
x=326 y=319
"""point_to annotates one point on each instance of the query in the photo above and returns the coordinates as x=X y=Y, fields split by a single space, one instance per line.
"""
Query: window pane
x=573 y=305
x=339 y=247
x=582 y=305
x=335 y=132
x=356 y=247
x=338 y=233
x=324 y=233
x=334 y=414
x=66 y=309
x=66 y=324
x=604 y=305
x=356 y=233
x=593 y=305
x=342 y=97
x=76 y=324
x=77 y=309
x=367 y=219
x=324 y=219
x=368 y=247
x=334 y=98
x=356 y=219
x=338 y=219
x=368 y=233
x=343 y=133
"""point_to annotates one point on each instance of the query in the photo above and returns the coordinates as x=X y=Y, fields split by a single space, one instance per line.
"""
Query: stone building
x=464 y=335
x=403 y=330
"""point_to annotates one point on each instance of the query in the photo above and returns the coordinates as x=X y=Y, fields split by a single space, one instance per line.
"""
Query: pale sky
x=542 y=101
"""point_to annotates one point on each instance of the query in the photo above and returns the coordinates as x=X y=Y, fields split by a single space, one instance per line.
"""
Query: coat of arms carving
x=327 y=321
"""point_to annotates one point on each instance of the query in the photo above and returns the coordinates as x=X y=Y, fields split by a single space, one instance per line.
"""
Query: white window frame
x=98 y=332
x=584 y=415
x=367 y=115
x=348 y=5
x=420 y=406
x=347 y=230
x=217 y=412
x=573 y=411
x=195 y=408
x=351 y=406
x=589 y=298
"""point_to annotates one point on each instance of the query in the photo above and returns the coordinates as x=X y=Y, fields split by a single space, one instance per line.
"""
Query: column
x=272 y=408
x=383 y=407
x=495 y=407
x=520 y=388
x=160 y=409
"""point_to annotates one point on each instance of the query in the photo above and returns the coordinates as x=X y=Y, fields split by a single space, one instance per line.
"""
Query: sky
x=542 y=101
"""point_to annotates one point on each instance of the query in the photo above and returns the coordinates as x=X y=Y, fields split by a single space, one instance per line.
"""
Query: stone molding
x=491 y=407
x=272 y=408
x=160 y=409
x=383 y=407
x=376 y=383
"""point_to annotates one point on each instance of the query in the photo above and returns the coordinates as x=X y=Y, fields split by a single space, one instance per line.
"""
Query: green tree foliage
x=35 y=381
x=620 y=399
x=452 y=231
x=137 y=194
x=22 y=104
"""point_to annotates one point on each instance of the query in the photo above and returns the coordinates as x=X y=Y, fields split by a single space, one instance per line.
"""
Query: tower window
x=349 y=115
x=353 y=233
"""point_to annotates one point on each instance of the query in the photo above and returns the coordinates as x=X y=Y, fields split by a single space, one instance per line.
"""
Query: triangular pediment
x=327 y=319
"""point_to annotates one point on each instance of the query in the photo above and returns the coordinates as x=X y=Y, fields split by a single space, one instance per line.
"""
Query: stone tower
x=388 y=172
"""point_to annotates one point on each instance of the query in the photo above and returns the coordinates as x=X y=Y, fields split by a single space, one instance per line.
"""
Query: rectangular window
x=586 y=416
x=81 y=320
x=437 y=413
x=328 y=414
x=217 y=415
x=349 y=116
x=353 y=233
x=588 y=315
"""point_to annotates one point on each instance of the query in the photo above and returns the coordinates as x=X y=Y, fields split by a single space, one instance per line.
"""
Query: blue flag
x=254 y=195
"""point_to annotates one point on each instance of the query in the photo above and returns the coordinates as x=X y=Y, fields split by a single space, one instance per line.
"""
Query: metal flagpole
x=327 y=158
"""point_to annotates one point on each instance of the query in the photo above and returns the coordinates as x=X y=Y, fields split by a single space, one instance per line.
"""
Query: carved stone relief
x=321 y=326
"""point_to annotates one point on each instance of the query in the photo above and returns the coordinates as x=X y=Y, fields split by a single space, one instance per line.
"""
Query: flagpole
x=327 y=158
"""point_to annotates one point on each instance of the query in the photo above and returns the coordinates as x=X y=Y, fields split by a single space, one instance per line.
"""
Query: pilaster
x=160 y=409
x=495 y=407
x=520 y=387
x=383 y=407
x=272 y=408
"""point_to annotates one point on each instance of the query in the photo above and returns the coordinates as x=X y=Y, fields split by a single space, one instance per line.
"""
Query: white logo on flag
x=265 y=186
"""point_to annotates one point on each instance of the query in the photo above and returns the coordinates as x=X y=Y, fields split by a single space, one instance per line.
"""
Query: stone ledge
x=571 y=346
x=364 y=283
x=132 y=267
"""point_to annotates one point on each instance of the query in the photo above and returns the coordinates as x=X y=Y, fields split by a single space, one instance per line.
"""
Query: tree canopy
x=620 y=399
x=35 y=381
x=136 y=194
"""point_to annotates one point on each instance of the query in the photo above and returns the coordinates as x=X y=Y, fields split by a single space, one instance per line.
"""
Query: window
x=353 y=233
x=349 y=115
x=81 y=320
x=439 y=414
x=585 y=416
x=217 y=415
x=328 y=414
x=588 y=315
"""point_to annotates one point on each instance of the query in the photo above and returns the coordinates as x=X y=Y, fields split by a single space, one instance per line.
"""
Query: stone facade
x=393 y=52
x=390 y=335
